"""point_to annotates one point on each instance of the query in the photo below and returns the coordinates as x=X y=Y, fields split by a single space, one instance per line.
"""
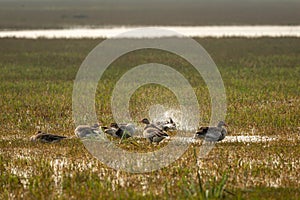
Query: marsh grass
x=261 y=77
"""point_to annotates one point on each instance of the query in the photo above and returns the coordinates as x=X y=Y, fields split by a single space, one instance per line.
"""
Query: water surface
x=189 y=31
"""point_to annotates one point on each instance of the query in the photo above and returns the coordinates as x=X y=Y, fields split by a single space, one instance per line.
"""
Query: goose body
x=150 y=125
x=169 y=125
x=83 y=131
x=120 y=130
x=212 y=134
x=46 y=137
x=153 y=133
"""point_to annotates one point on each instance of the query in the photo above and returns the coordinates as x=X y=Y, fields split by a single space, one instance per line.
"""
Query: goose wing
x=46 y=137
x=129 y=129
x=154 y=132
x=201 y=132
x=85 y=131
x=121 y=130
x=153 y=126
x=111 y=131
x=166 y=125
x=154 y=135
x=213 y=134
x=123 y=133
x=223 y=134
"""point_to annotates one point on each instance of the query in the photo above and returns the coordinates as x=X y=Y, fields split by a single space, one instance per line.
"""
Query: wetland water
x=189 y=31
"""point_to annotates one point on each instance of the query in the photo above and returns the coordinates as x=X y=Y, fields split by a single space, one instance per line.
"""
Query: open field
x=261 y=78
x=34 y=14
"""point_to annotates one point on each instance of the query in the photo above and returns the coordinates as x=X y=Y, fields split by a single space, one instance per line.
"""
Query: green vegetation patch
x=261 y=77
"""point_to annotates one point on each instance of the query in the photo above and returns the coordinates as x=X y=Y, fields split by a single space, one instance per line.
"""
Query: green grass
x=261 y=78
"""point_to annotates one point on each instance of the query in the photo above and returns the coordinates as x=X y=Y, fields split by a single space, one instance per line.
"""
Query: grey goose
x=83 y=131
x=46 y=137
x=120 y=130
x=212 y=134
x=153 y=133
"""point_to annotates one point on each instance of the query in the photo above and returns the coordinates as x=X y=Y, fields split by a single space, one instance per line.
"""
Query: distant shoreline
x=156 y=32
x=36 y=14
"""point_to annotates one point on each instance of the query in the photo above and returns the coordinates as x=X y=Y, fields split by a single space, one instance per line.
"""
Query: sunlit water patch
x=189 y=31
x=228 y=139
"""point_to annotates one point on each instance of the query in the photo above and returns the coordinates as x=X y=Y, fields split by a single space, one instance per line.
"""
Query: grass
x=261 y=77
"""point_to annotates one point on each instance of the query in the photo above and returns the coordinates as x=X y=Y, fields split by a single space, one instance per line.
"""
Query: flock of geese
x=153 y=132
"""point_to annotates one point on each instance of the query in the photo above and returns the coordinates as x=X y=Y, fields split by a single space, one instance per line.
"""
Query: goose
x=83 y=131
x=167 y=125
x=46 y=137
x=120 y=130
x=163 y=126
x=149 y=124
x=153 y=133
x=110 y=131
x=212 y=134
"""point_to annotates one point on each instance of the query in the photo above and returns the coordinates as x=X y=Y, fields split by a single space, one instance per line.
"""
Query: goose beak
x=225 y=125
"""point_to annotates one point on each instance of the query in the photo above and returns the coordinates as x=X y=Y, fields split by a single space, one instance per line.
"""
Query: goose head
x=114 y=125
x=95 y=126
x=34 y=137
x=221 y=124
x=145 y=121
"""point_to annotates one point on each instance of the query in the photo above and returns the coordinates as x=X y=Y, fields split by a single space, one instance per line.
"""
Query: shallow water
x=188 y=31
x=62 y=165
x=238 y=138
